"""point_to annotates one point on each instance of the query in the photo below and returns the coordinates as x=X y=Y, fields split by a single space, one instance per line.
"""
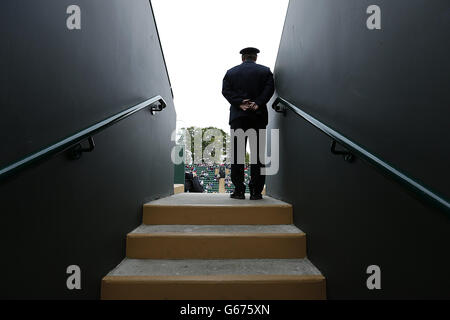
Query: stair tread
x=215 y=199
x=187 y=229
x=211 y=267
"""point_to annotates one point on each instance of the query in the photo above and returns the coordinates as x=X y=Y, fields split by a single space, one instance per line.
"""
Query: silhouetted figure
x=248 y=87
x=222 y=172
x=191 y=183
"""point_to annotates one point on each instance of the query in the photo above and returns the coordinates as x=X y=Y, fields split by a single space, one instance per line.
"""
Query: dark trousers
x=257 y=180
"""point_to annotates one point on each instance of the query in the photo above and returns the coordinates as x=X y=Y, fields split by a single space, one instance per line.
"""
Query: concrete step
x=178 y=188
x=235 y=279
x=216 y=242
x=216 y=209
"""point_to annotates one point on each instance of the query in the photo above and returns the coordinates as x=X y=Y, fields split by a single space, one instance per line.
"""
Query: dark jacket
x=248 y=80
x=191 y=183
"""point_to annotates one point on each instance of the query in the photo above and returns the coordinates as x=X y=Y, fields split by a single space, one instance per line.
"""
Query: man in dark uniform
x=248 y=87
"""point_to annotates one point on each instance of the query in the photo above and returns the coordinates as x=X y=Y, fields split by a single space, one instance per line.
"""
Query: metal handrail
x=156 y=103
x=425 y=192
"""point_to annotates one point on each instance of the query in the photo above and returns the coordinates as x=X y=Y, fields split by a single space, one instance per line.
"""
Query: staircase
x=208 y=246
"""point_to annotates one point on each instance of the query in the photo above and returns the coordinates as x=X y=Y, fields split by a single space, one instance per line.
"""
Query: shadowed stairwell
x=208 y=246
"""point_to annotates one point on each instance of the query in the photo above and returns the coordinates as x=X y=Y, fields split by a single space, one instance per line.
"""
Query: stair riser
x=201 y=246
x=217 y=215
x=206 y=288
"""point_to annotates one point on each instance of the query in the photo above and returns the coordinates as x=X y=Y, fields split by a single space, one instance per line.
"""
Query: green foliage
x=194 y=133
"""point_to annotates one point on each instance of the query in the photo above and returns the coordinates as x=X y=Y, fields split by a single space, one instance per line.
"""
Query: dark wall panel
x=58 y=81
x=355 y=217
x=55 y=82
x=388 y=91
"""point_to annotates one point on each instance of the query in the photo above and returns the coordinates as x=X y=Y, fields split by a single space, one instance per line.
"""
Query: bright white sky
x=201 y=40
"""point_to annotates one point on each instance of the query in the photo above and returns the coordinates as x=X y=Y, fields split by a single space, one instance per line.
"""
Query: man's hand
x=245 y=104
x=253 y=106
x=249 y=105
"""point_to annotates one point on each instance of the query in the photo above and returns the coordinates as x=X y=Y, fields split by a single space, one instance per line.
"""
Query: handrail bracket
x=348 y=156
x=77 y=150
x=279 y=107
x=157 y=106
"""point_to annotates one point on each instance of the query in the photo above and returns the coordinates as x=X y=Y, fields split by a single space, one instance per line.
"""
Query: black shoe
x=256 y=197
x=237 y=195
